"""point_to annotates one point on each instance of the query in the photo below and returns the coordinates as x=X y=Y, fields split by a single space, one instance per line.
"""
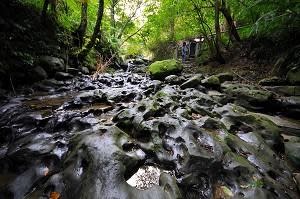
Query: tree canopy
x=143 y=27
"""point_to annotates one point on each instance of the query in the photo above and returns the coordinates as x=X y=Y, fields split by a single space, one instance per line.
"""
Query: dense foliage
x=155 y=26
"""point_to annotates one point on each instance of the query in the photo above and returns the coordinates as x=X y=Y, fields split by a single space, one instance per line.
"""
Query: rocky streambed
x=127 y=136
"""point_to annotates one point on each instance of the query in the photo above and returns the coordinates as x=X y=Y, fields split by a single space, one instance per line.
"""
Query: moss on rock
x=162 y=69
x=211 y=81
x=247 y=92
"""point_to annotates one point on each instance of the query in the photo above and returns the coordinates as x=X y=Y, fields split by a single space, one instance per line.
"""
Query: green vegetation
x=257 y=183
x=155 y=28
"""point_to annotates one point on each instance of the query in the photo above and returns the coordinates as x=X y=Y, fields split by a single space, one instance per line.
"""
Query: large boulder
x=39 y=73
x=162 y=69
x=51 y=64
x=293 y=76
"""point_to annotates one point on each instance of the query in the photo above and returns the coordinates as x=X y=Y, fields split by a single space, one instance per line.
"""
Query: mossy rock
x=247 y=92
x=223 y=77
x=162 y=69
x=211 y=81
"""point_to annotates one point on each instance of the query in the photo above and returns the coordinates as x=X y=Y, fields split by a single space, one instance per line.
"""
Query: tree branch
x=129 y=19
x=131 y=35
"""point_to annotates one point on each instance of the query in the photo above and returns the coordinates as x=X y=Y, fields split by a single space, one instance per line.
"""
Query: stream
x=124 y=135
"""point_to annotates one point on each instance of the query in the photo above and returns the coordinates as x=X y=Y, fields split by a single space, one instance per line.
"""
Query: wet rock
x=272 y=81
x=121 y=94
x=290 y=138
x=89 y=86
x=169 y=182
x=223 y=77
x=292 y=151
x=199 y=103
x=173 y=80
x=139 y=61
x=52 y=83
x=293 y=76
x=239 y=119
x=39 y=73
x=162 y=69
x=35 y=144
x=192 y=82
x=288 y=126
x=290 y=106
x=99 y=157
x=89 y=143
x=89 y=97
x=42 y=87
x=212 y=81
x=285 y=90
x=244 y=94
x=85 y=70
x=217 y=96
x=61 y=76
x=21 y=185
x=51 y=64
x=297 y=178
x=259 y=159
x=141 y=69
x=73 y=71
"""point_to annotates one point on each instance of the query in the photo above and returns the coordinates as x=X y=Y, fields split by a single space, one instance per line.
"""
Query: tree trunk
x=81 y=30
x=218 y=32
x=45 y=8
x=232 y=29
x=172 y=30
x=202 y=23
x=96 y=31
x=112 y=18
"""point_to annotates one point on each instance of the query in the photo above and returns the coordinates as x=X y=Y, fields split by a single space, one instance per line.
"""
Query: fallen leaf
x=54 y=195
